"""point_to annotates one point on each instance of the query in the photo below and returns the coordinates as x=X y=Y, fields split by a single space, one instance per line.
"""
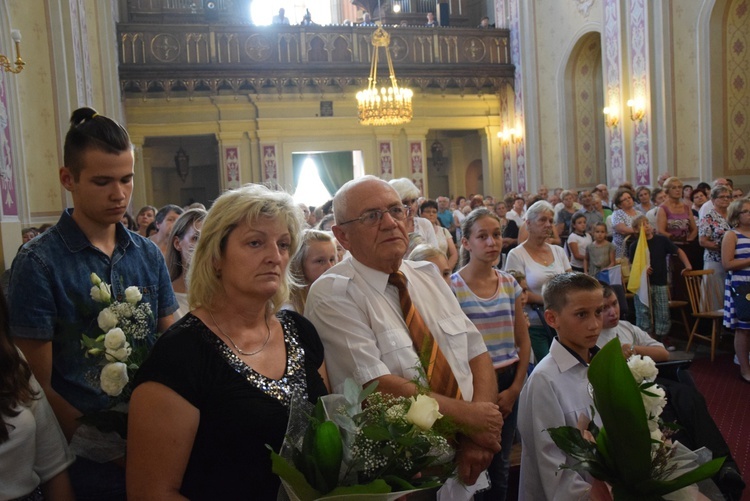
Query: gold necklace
x=248 y=354
x=537 y=257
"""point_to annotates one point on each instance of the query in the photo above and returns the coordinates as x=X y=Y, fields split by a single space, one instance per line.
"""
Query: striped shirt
x=494 y=317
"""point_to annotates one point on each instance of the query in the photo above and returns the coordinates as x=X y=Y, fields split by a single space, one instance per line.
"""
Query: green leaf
x=570 y=440
x=376 y=433
x=618 y=400
x=293 y=477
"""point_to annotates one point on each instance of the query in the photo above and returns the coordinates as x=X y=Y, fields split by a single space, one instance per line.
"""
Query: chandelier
x=386 y=106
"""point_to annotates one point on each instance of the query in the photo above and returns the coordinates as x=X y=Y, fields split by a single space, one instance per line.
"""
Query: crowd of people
x=260 y=300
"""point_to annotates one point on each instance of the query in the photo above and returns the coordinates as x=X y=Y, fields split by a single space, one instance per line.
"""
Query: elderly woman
x=698 y=197
x=674 y=219
x=711 y=230
x=539 y=261
x=735 y=257
x=218 y=385
x=643 y=197
x=622 y=219
x=409 y=194
x=316 y=255
x=184 y=236
x=565 y=214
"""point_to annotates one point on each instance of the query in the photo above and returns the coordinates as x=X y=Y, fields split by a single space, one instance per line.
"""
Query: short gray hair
x=405 y=188
x=537 y=209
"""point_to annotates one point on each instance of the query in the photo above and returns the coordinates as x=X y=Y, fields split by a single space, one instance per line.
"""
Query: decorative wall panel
x=386 y=160
x=270 y=166
x=515 y=57
x=612 y=68
x=736 y=81
x=7 y=177
x=640 y=88
x=232 y=167
x=416 y=156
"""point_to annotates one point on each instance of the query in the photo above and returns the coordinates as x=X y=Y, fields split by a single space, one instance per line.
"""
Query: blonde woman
x=218 y=385
x=316 y=255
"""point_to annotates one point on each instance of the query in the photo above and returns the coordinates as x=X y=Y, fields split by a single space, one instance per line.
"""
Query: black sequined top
x=240 y=410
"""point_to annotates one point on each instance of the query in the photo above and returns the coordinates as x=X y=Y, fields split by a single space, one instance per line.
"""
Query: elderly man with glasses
x=376 y=312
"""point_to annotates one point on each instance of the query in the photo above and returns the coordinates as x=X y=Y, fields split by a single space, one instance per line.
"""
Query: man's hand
x=482 y=424
x=471 y=460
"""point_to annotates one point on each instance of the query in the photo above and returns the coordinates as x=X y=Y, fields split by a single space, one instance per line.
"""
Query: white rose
x=643 y=368
x=107 y=319
x=95 y=280
x=132 y=294
x=115 y=339
x=654 y=405
x=423 y=412
x=113 y=379
x=118 y=355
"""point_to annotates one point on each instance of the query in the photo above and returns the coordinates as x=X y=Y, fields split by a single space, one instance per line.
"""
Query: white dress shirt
x=556 y=394
x=358 y=317
x=628 y=334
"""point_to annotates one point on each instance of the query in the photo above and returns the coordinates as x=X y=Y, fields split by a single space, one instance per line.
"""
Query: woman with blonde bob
x=218 y=384
x=316 y=255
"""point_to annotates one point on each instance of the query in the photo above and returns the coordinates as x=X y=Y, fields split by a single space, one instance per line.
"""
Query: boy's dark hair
x=91 y=131
x=607 y=289
x=555 y=292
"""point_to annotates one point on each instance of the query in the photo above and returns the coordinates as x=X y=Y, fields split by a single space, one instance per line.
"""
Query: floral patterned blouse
x=713 y=226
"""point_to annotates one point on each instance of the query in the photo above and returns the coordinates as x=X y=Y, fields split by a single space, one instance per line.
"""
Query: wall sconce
x=19 y=64
x=637 y=109
x=611 y=119
x=510 y=136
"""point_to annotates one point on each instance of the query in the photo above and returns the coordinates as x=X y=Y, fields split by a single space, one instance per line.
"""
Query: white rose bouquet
x=390 y=446
x=121 y=348
x=630 y=452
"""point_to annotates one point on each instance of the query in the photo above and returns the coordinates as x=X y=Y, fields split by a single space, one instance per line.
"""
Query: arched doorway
x=583 y=125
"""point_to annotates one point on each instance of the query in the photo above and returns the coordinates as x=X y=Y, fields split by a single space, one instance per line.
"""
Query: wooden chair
x=700 y=292
x=676 y=304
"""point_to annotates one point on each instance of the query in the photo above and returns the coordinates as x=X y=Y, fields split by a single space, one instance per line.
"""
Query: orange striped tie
x=439 y=374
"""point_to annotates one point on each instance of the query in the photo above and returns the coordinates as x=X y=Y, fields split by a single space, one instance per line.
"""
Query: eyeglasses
x=724 y=197
x=742 y=212
x=373 y=217
x=410 y=201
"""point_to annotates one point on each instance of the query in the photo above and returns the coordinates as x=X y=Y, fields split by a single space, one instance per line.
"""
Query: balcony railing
x=222 y=58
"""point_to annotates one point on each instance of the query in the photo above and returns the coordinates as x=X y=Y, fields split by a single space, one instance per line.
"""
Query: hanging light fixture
x=387 y=105
x=182 y=163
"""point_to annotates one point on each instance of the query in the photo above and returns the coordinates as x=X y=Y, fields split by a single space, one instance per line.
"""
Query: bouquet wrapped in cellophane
x=632 y=451
x=363 y=444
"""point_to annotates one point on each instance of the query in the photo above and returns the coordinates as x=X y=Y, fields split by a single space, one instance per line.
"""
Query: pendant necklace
x=246 y=353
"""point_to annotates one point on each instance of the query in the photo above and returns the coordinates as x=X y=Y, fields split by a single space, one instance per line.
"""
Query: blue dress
x=735 y=278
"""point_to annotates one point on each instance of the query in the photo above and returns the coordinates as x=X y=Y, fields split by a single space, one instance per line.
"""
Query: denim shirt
x=49 y=298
